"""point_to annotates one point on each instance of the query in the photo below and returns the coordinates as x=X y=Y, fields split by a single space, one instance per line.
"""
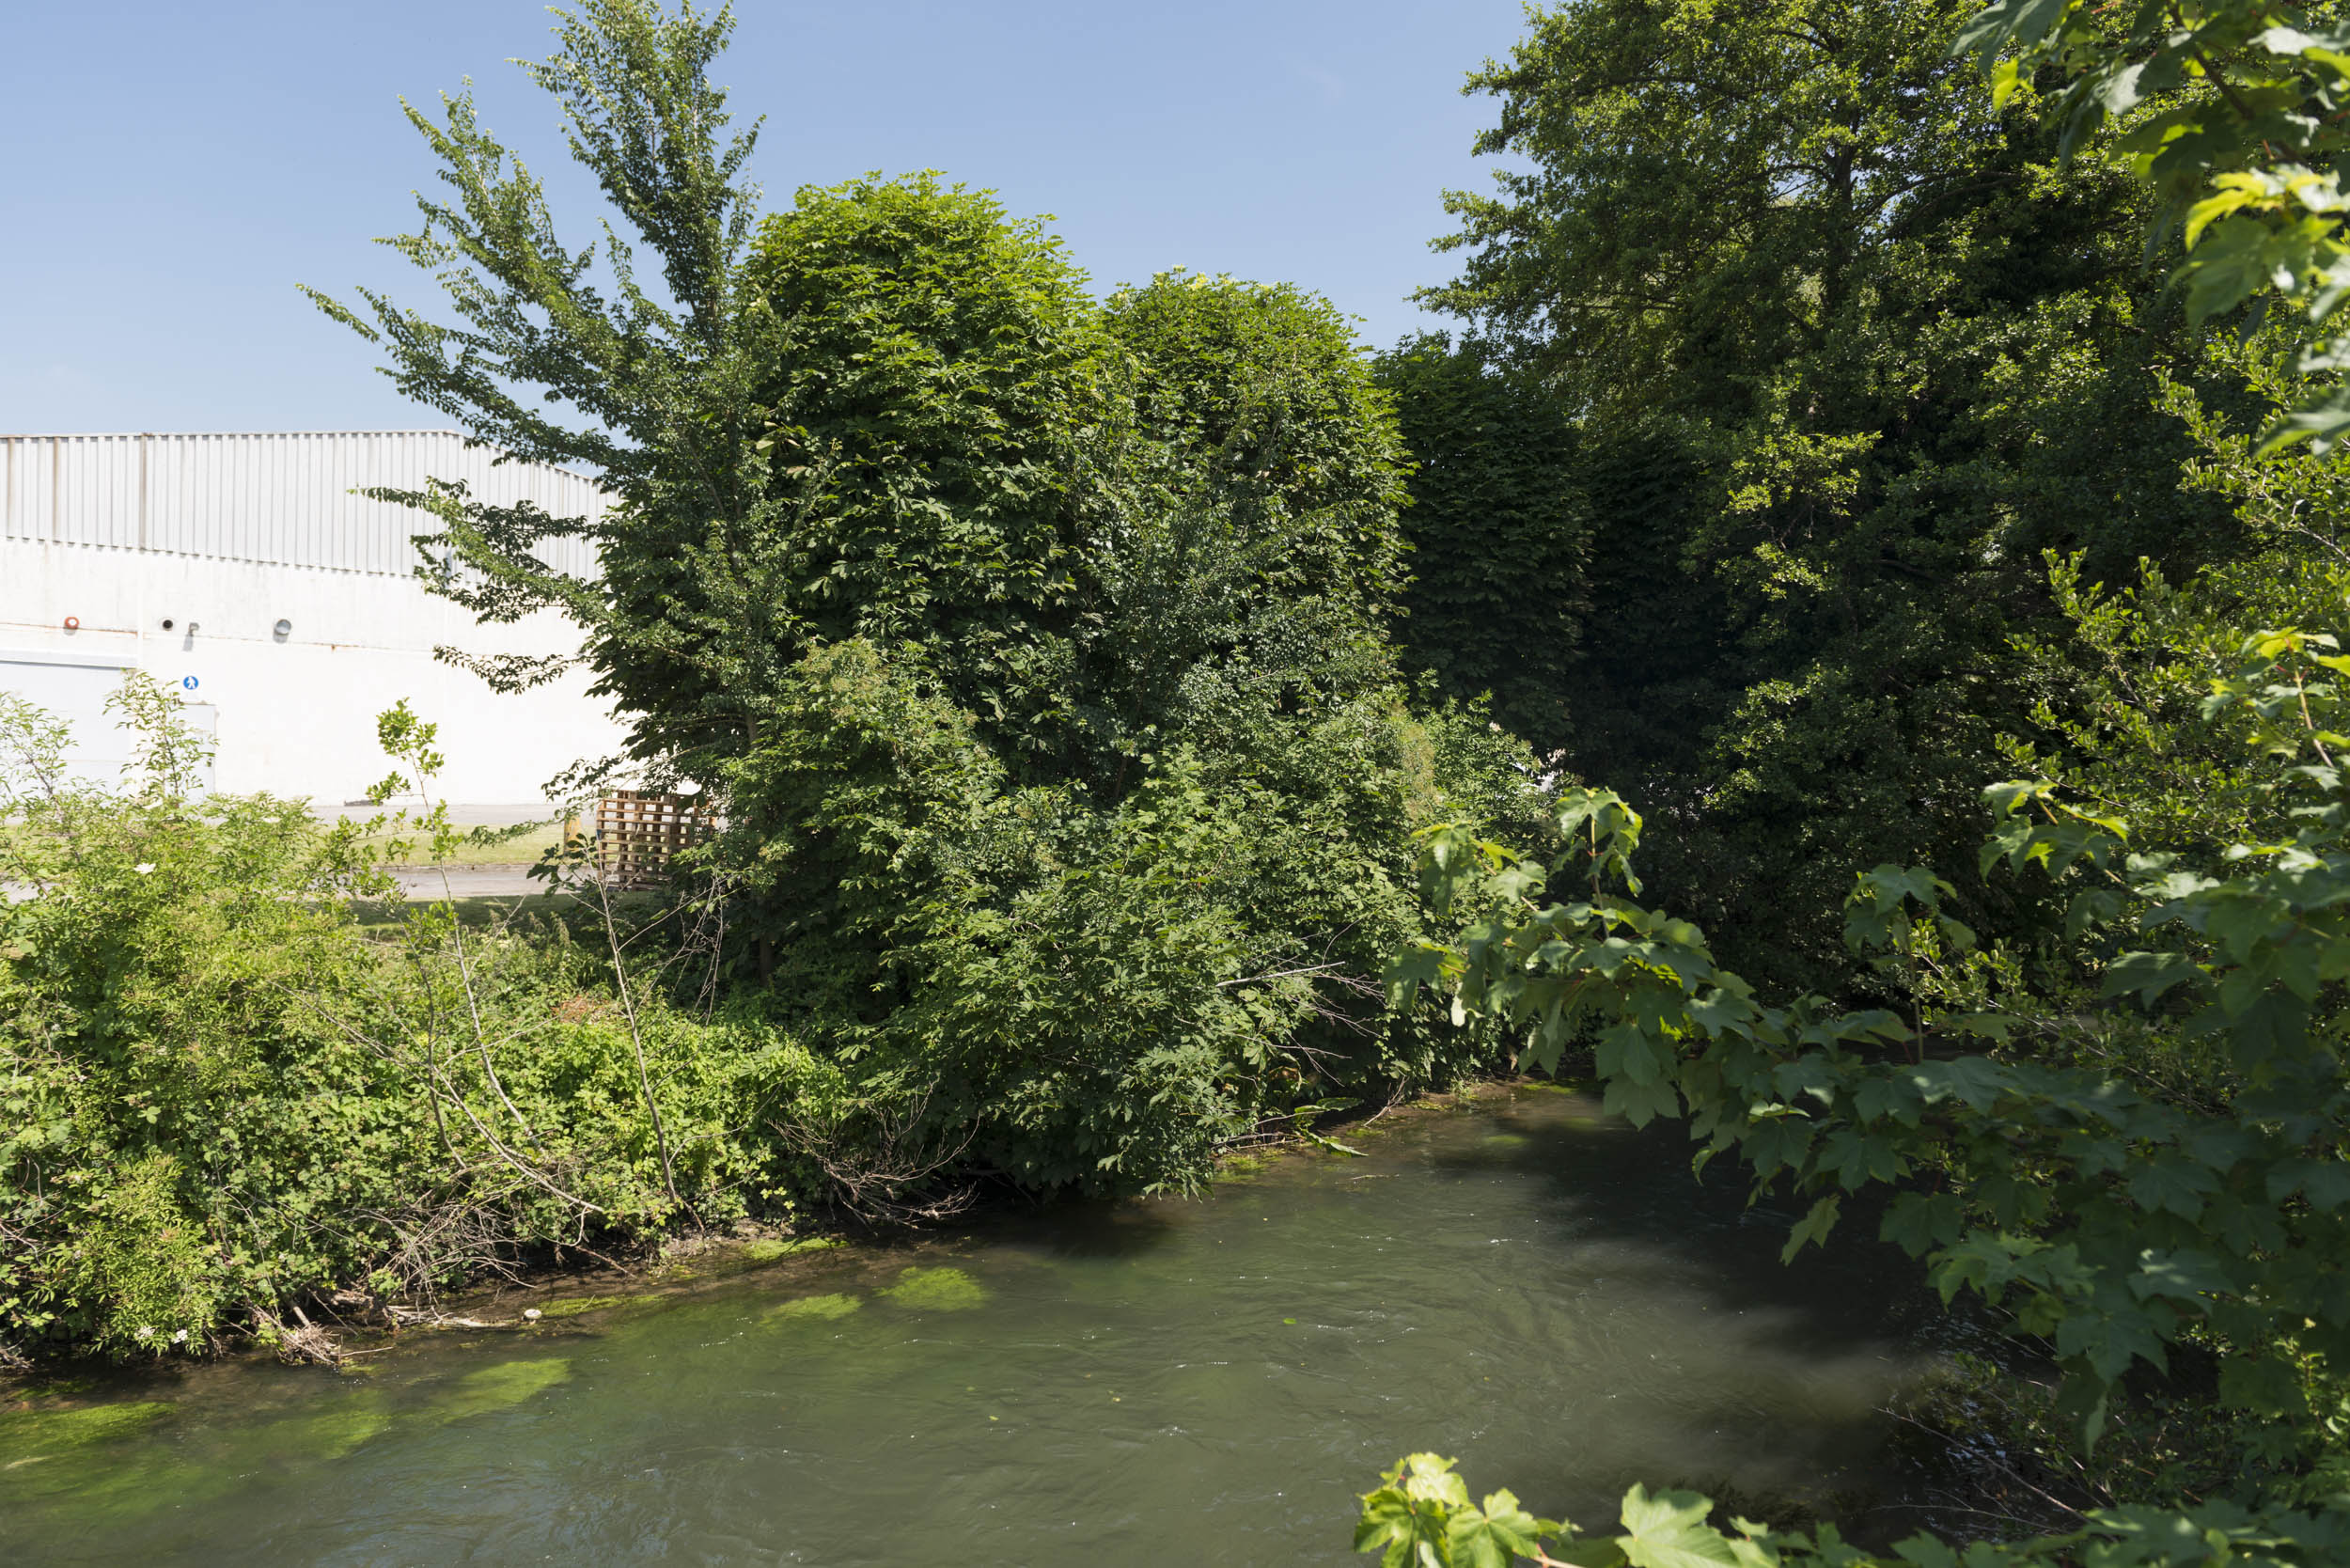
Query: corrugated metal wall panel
x=285 y=499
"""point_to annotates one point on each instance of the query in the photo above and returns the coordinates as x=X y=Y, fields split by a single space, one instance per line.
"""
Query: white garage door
x=75 y=690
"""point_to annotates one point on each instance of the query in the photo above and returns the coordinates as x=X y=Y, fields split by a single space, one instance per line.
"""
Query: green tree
x=1708 y=186
x=1846 y=347
x=1495 y=476
x=933 y=367
x=1263 y=391
x=665 y=375
x=2231 y=110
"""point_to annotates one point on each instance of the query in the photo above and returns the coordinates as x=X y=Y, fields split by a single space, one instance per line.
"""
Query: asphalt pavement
x=464 y=882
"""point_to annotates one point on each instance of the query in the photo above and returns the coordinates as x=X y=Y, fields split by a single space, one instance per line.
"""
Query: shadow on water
x=1523 y=1284
x=1101 y=1231
x=1703 y=1240
x=1635 y=1185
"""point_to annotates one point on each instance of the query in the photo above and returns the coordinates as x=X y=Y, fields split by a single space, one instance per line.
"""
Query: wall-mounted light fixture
x=283 y=630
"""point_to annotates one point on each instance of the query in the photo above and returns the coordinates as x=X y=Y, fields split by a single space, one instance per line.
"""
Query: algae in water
x=326 y=1433
x=44 y=1459
x=816 y=1307
x=573 y=1305
x=28 y=1437
x=938 y=1290
x=767 y=1251
x=497 y=1387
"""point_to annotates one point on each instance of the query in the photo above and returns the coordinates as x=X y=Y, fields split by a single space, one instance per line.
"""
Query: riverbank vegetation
x=1037 y=646
x=1996 y=536
x=1829 y=479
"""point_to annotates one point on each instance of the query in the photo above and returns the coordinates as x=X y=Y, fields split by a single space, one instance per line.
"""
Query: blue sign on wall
x=187 y=682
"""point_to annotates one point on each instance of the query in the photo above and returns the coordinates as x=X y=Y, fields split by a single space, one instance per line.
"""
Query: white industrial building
x=244 y=570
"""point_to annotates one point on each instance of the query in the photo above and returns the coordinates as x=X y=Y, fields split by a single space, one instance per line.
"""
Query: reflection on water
x=1537 y=1291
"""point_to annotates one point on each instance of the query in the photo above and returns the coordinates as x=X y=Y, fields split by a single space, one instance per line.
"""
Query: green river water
x=1520 y=1283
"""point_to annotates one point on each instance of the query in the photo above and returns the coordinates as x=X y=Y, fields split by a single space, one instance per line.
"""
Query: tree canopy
x=1037 y=647
x=1886 y=349
x=2115 y=1114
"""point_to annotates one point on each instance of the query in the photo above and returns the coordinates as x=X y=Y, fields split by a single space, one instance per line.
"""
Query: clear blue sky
x=174 y=170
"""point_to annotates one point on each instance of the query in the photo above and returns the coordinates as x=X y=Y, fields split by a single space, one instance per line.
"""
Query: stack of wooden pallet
x=638 y=831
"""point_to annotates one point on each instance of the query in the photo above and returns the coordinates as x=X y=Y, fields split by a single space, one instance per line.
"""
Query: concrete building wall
x=294 y=712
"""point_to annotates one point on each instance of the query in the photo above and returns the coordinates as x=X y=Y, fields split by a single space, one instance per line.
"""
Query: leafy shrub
x=1078 y=855
x=222 y=1096
x=1073 y=993
x=2142 y=1145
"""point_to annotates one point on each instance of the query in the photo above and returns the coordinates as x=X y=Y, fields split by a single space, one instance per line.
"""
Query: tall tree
x=1882 y=350
x=1261 y=390
x=665 y=377
x=1707 y=186
x=933 y=367
x=1494 y=480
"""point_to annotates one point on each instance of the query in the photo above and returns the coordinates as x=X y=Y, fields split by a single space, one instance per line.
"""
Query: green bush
x=1024 y=979
x=2134 y=1143
x=1072 y=821
x=222 y=1097
x=994 y=615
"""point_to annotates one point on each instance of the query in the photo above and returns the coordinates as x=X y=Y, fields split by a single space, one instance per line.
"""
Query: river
x=1520 y=1282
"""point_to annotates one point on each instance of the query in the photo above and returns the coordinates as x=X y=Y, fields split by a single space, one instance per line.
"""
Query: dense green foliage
x=2233 y=112
x=223 y=1098
x=1495 y=479
x=1260 y=389
x=930 y=370
x=1842 y=348
x=1083 y=899
x=2119 y=1177
x=2133 y=1144
x=2129 y=1132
